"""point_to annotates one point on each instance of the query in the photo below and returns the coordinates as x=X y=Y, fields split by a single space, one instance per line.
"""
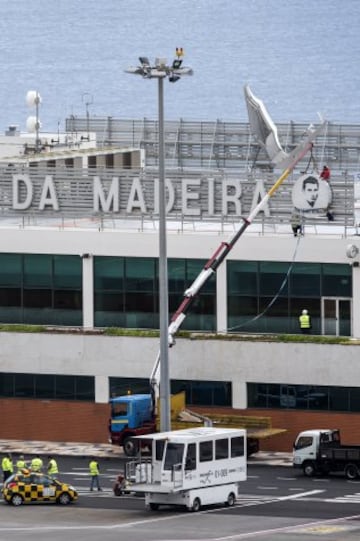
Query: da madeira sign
x=192 y=195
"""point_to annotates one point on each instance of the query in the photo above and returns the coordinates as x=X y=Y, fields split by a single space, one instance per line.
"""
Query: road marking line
x=300 y=495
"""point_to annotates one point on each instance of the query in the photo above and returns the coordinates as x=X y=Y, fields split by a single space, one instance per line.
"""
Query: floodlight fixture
x=33 y=99
x=144 y=61
x=177 y=63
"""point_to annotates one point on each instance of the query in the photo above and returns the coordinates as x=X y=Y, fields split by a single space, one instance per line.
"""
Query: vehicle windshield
x=303 y=441
x=118 y=408
x=174 y=455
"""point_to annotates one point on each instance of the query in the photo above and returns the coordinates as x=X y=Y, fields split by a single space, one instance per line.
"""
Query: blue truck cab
x=131 y=415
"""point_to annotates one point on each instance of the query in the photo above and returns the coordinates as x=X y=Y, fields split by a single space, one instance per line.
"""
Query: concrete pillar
x=88 y=291
x=239 y=394
x=102 y=389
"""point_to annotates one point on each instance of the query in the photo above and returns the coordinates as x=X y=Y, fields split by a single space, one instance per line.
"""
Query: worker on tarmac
x=36 y=464
x=305 y=322
x=7 y=466
x=52 y=467
x=20 y=463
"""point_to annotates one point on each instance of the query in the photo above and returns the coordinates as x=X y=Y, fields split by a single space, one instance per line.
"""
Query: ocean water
x=299 y=56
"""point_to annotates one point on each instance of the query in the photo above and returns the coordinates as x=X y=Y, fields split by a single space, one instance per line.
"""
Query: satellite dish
x=352 y=251
x=32 y=124
x=33 y=98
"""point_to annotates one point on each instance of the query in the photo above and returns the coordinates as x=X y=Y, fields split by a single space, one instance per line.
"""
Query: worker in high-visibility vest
x=52 y=467
x=7 y=466
x=305 y=322
x=94 y=474
x=36 y=464
x=20 y=463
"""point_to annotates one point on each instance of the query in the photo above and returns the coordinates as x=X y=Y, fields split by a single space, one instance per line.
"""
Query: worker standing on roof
x=305 y=322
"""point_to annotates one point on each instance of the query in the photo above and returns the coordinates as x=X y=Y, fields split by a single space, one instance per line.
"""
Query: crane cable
x=267 y=308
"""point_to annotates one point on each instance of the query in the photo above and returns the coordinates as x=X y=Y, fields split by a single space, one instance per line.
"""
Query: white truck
x=191 y=467
x=320 y=451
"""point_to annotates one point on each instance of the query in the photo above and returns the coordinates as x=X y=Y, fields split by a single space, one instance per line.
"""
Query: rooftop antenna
x=33 y=124
x=89 y=100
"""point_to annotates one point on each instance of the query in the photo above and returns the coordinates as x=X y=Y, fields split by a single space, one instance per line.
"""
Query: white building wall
x=221 y=360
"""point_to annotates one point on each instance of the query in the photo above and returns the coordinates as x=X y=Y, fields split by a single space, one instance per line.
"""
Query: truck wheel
x=196 y=505
x=230 y=500
x=351 y=472
x=309 y=469
x=153 y=506
x=129 y=446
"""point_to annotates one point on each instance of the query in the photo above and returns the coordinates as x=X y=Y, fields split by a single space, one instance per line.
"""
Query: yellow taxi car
x=30 y=487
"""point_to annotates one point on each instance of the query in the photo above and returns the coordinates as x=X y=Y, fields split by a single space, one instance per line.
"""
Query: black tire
x=16 y=500
x=309 y=469
x=196 y=505
x=351 y=472
x=153 y=506
x=130 y=447
x=64 y=498
x=230 y=502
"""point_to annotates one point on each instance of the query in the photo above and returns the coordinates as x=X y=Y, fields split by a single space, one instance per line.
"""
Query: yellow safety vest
x=93 y=467
x=52 y=468
x=304 y=321
x=7 y=464
x=21 y=464
x=36 y=464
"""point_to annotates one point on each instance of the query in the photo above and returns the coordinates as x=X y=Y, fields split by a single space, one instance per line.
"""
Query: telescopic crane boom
x=225 y=247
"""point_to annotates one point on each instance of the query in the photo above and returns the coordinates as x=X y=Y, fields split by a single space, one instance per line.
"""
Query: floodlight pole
x=165 y=419
x=173 y=73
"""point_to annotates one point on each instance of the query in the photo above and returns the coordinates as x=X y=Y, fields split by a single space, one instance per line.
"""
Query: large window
x=41 y=289
x=303 y=397
x=127 y=293
x=201 y=393
x=47 y=386
x=269 y=296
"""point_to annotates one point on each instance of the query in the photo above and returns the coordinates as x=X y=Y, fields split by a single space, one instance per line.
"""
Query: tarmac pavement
x=106 y=450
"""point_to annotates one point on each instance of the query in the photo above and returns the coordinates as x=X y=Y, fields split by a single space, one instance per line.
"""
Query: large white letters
x=188 y=195
x=48 y=194
x=103 y=203
x=233 y=198
x=259 y=194
x=22 y=183
x=136 y=197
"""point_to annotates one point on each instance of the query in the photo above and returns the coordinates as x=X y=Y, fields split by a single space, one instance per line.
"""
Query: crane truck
x=136 y=415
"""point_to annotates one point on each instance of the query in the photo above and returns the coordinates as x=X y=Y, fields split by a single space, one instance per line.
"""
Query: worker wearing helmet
x=305 y=322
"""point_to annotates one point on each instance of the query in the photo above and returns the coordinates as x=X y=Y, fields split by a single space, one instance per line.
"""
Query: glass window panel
x=242 y=277
x=336 y=280
x=10 y=270
x=272 y=278
x=139 y=302
x=305 y=279
x=67 y=272
x=65 y=387
x=38 y=271
x=176 y=276
x=24 y=385
x=109 y=273
x=10 y=297
x=354 y=399
x=237 y=446
x=85 y=388
x=68 y=300
x=140 y=274
x=339 y=399
x=124 y=386
x=206 y=451
x=45 y=386
x=37 y=298
x=109 y=301
x=7 y=384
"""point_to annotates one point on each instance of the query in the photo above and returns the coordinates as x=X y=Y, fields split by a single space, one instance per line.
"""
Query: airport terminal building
x=79 y=255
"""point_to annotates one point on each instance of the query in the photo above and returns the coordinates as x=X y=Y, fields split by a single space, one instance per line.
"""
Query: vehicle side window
x=303 y=441
x=237 y=446
x=190 y=463
x=206 y=451
x=221 y=449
